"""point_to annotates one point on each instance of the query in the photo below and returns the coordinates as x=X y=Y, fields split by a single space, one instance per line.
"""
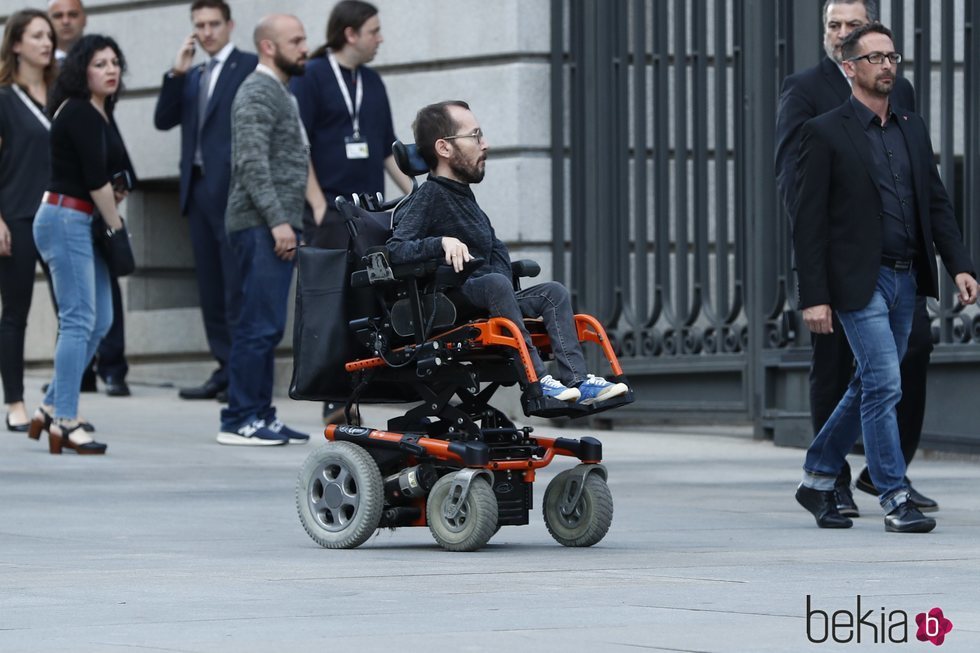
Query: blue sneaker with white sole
x=595 y=388
x=552 y=387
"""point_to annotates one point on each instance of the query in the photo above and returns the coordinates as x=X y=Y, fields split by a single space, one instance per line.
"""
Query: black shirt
x=86 y=150
x=892 y=173
x=24 y=157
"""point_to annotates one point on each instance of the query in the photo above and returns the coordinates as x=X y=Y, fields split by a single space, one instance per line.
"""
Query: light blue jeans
x=63 y=238
x=878 y=335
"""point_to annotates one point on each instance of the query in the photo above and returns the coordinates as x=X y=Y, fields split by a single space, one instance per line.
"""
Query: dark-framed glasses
x=476 y=134
x=878 y=58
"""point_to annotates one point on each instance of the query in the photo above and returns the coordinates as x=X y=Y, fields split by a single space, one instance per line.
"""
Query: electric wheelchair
x=453 y=462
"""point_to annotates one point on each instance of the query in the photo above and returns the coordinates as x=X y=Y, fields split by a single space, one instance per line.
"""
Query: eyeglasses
x=878 y=58
x=476 y=135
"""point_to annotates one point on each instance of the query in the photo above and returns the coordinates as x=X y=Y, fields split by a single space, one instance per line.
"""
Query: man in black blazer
x=872 y=213
x=806 y=95
x=199 y=99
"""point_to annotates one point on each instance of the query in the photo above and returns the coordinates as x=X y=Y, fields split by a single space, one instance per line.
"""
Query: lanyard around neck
x=353 y=108
x=43 y=119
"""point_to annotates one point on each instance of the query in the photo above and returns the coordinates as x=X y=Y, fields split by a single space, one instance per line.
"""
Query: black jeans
x=832 y=366
x=16 y=291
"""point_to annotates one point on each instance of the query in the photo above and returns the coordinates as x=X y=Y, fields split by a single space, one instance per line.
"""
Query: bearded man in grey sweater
x=270 y=178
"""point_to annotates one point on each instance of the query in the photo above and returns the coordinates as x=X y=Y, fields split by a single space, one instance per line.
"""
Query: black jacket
x=837 y=236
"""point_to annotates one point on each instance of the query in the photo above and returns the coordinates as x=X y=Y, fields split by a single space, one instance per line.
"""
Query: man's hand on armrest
x=457 y=253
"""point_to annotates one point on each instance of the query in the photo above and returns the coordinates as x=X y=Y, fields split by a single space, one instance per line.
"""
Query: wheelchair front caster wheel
x=474 y=524
x=340 y=495
x=588 y=520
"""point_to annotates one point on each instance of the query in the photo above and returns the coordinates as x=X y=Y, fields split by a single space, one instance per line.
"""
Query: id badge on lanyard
x=355 y=146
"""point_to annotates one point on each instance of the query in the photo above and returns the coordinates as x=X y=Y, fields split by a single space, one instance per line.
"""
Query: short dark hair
x=213 y=4
x=433 y=122
x=13 y=34
x=870 y=8
x=346 y=13
x=849 y=47
x=72 y=80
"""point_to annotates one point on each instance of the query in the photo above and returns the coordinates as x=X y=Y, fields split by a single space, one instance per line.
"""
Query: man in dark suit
x=199 y=99
x=872 y=213
x=805 y=95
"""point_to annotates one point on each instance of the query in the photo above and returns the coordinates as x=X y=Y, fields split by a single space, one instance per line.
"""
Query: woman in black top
x=87 y=154
x=27 y=70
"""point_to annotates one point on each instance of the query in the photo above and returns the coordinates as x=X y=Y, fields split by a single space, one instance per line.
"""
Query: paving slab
x=172 y=542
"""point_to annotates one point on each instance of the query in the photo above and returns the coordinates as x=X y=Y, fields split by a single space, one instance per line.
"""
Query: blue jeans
x=549 y=301
x=258 y=323
x=63 y=238
x=878 y=335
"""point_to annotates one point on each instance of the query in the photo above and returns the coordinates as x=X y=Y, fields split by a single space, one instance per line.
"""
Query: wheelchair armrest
x=447 y=277
x=525 y=268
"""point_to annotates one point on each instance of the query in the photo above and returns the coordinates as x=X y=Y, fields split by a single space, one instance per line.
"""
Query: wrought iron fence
x=663 y=114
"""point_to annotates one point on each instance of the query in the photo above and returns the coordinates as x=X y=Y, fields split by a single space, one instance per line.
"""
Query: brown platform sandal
x=59 y=436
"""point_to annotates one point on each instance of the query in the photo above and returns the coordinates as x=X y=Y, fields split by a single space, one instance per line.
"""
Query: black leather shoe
x=116 y=388
x=845 y=501
x=822 y=504
x=18 y=428
x=209 y=390
x=921 y=501
x=908 y=519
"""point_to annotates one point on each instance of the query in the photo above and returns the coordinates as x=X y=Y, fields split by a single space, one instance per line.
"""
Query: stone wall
x=492 y=54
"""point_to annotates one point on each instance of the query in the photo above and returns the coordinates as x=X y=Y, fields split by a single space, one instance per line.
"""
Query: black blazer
x=177 y=105
x=837 y=238
x=808 y=94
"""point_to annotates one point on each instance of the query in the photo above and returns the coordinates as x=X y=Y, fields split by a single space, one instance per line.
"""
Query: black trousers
x=16 y=291
x=832 y=366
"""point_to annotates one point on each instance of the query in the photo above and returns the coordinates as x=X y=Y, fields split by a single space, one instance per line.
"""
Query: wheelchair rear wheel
x=590 y=517
x=473 y=526
x=339 y=495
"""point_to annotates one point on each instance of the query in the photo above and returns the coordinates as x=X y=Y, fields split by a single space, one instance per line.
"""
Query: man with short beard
x=805 y=95
x=271 y=178
x=443 y=219
x=872 y=214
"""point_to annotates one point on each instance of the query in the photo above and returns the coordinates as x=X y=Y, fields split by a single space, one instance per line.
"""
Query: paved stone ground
x=174 y=543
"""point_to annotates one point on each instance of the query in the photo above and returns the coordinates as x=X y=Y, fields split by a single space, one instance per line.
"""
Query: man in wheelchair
x=443 y=218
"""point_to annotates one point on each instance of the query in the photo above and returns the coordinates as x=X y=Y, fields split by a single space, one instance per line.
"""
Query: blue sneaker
x=252 y=434
x=595 y=388
x=552 y=387
x=295 y=437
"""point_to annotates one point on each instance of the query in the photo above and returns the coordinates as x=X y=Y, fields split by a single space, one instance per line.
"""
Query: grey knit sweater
x=269 y=157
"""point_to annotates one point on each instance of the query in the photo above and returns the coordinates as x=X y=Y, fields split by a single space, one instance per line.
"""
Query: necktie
x=204 y=85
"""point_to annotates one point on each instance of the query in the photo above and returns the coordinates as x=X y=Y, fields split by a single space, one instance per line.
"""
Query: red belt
x=68 y=202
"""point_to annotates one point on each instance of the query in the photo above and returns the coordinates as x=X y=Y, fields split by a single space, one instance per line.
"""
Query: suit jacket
x=808 y=94
x=177 y=105
x=837 y=238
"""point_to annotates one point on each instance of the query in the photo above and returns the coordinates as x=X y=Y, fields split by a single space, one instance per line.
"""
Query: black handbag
x=322 y=340
x=113 y=246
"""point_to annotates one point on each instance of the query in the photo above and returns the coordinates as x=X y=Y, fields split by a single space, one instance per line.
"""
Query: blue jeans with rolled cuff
x=878 y=335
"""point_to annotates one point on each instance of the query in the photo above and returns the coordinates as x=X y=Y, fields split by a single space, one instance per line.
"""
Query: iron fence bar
x=661 y=177
x=641 y=267
x=722 y=234
x=703 y=291
x=558 y=109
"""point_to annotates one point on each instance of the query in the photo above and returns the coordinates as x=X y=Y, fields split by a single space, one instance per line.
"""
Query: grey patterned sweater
x=443 y=207
x=269 y=157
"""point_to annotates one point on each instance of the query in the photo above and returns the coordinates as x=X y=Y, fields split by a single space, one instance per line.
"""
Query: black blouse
x=24 y=158
x=86 y=150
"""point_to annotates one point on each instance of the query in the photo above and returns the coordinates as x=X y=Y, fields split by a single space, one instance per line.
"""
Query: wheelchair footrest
x=609 y=404
x=550 y=407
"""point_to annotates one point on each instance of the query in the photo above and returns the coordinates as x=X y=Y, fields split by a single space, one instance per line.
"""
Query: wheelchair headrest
x=408 y=160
